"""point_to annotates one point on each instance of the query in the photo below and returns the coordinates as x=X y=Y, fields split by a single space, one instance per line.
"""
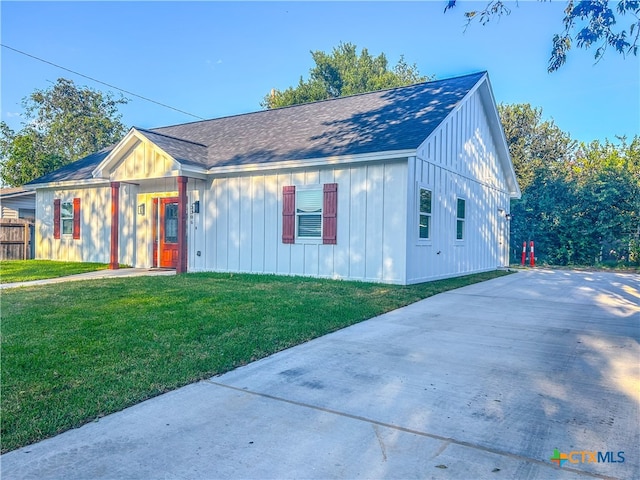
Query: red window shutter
x=288 y=214
x=56 y=218
x=76 y=219
x=330 y=214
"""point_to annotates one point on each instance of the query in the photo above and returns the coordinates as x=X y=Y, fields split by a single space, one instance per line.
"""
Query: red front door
x=167 y=240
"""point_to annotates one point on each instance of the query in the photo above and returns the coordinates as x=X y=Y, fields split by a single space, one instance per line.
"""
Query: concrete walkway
x=483 y=382
x=121 y=272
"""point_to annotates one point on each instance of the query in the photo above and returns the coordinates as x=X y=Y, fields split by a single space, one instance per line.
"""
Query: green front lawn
x=74 y=352
x=26 y=270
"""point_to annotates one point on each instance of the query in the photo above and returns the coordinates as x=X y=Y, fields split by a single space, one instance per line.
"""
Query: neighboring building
x=399 y=186
x=18 y=203
x=18 y=213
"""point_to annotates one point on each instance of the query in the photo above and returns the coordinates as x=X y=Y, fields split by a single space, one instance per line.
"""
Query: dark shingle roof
x=184 y=151
x=10 y=192
x=79 y=170
x=395 y=119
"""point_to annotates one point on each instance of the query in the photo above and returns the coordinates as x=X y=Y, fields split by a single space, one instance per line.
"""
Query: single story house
x=18 y=202
x=399 y=186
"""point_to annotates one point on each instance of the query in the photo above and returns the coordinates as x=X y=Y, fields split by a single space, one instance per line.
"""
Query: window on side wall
x=27 y=214
x=66 y=217
x=424 y=219
x=461 y=215
x=309 y=213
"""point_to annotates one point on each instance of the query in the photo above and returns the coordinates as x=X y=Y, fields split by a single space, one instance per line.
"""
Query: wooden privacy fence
x=16 y=239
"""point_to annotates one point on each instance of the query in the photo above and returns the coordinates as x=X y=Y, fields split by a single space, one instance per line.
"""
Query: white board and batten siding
x=141 y=162
x=145 y=172
x=458 y=160
x=239 y=224
x=239 y=228
x=93 y=245
x=135 y=231
x=152 y=174
x=144 y=161
x=142 y=224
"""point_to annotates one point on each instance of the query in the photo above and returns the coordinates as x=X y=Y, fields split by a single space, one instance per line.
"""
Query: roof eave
x=457 y=107
x=28 y=191
x=314 y=162
x=123 y=145
x=192 y=171
x=78 y=183
x=505 y=156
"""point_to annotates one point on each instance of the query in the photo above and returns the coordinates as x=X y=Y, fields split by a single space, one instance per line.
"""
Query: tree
x=539 y=150
x=607 y=185
x=580 y=203
x=533 y=144
x=23 y=156
x=588 y=24
x=344 y=72
x=64 y=123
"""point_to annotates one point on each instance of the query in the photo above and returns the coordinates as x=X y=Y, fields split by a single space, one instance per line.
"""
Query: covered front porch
x=159 y=232
x=150 y=189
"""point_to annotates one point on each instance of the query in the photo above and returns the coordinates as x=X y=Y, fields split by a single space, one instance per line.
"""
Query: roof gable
x=145 y=154
x=143 y=160
x=490 y=114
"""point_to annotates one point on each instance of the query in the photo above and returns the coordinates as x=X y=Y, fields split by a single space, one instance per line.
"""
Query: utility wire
x=103 y=83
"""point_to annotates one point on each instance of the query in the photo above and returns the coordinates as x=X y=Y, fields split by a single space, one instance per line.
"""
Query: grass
x=74 y=352
x=27 y=270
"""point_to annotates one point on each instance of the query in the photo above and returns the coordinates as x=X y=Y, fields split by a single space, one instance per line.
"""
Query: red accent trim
x=288 y=214
x=56 y=218
x=114 y=263
x=76 y=219
x=155 y=232
x=182 y=225
x=330 y=214
x=169 y=251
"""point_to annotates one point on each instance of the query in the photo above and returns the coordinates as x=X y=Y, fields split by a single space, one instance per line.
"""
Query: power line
x=103 y=83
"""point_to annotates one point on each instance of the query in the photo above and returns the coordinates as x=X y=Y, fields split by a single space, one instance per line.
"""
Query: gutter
x=314 y=162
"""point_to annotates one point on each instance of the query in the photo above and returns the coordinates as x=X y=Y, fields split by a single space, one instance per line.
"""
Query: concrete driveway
x=481 y=382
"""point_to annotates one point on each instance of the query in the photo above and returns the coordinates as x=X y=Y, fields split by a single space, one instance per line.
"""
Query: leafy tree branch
x=345 y=72
x=63 y=123
x=587 y=24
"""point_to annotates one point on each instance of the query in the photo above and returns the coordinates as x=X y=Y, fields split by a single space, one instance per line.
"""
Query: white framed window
x=309 y=212
x=460 y=218
x=66 y=218
x=425 y=202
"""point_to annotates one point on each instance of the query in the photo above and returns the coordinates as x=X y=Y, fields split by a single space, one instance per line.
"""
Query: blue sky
x=216 y=59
